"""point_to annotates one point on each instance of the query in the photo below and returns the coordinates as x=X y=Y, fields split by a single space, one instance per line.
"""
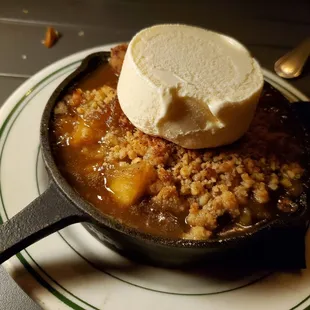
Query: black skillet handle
x=48 y=213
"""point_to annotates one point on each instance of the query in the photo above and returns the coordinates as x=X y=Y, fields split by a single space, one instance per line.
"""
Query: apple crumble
x=161 y=188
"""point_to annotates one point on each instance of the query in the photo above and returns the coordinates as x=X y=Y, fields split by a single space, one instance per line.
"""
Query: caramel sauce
x=82 y=164
x=103 y=75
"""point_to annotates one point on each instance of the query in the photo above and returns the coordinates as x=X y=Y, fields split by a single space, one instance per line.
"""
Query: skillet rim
x=98 y=218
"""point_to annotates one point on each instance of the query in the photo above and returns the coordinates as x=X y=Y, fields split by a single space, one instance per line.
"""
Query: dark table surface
x=268 y=28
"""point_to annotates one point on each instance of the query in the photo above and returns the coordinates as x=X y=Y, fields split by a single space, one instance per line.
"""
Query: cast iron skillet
x=60 y=206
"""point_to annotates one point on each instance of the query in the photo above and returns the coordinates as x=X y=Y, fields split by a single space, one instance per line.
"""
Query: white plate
x=64 y=271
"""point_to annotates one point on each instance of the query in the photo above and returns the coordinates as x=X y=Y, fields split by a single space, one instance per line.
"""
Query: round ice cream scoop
x=189 y=85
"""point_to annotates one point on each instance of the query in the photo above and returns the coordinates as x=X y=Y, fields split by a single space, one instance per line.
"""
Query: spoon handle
x=291 y=64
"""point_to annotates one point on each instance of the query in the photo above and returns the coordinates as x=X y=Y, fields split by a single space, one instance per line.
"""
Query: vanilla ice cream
x=192 y=86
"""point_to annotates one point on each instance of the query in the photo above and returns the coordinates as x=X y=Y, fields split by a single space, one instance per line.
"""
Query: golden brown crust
x=51 y=37
x=209 y=183
x=117 y=57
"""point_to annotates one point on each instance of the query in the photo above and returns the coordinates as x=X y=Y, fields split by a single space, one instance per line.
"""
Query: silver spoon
x=291 y=64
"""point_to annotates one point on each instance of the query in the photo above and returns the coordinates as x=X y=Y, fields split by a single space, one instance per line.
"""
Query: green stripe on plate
x=21 y=258
x=61 y=297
